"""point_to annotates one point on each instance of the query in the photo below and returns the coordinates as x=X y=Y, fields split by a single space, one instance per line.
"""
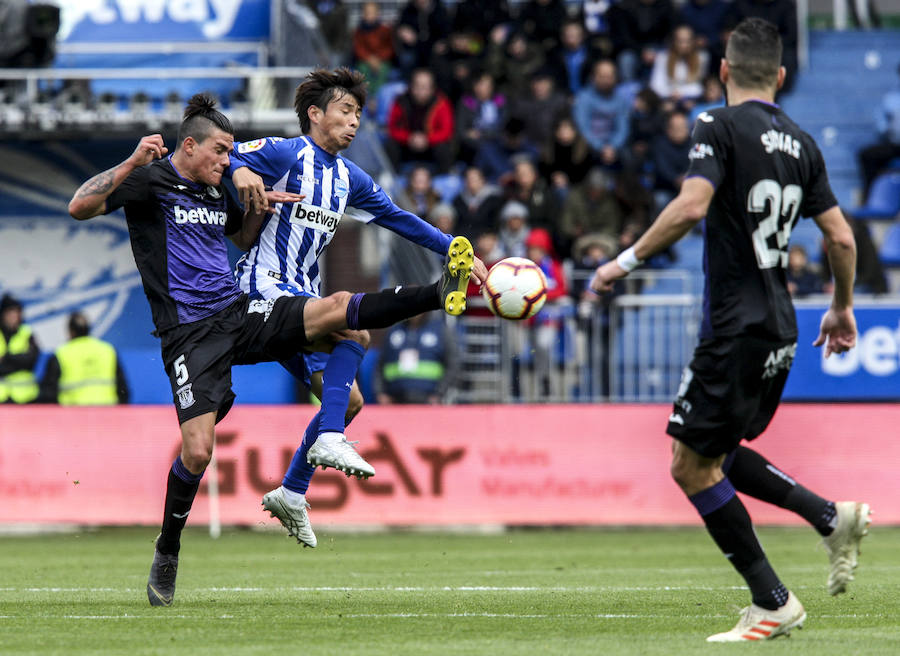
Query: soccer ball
x=515 y=288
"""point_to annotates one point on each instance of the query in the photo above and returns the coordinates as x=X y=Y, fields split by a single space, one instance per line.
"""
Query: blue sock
x=300 y=472
x=337 y=380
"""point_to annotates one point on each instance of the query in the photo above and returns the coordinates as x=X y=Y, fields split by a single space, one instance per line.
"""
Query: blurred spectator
x=572 y=59
x=802 y=279
x=706 y=18
x=645 y=123
x=373 y=47
x=334 y=27
x=678 y=71
x=601 y=114
x=539 y=110
x=477 y=205
x=713 y=96
x=670 y=157
x=637 y=203
x=480 y=120
x=542 y=20
x=416 y=365
x=541 y=251
x=566 y=157
x=419 y=195
x=84 y=371
x=870 y=278
x=421 y=29
x=588 y=252
x=591 y=208
x=514 y=229
x=420 y=124
x=408 y=262
x=782 y=14
x=481 y=18
x=875 y=157
x=639 y=29
x=488 y=250
x=513 y=62
x=19 y=353
x=527 y=187
x=547 y=322
x=455 y=66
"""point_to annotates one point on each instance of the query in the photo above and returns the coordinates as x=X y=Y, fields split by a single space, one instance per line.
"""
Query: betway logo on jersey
x=317 y=218
x=774 y=140
x=199 y=215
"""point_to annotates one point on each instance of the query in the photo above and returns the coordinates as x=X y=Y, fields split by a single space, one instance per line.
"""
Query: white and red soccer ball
x=515 y=288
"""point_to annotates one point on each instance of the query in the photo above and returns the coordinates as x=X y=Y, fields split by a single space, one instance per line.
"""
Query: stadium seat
x=384 y=99
x=890 y=247
x=807 y=234
x=448 y=186
x=884 y=198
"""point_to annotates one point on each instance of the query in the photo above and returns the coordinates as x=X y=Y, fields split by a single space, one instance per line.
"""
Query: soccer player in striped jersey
x=283 y=261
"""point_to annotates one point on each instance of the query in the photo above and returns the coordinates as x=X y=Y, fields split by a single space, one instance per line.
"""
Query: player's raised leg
x=842 y=524
x=198 y=437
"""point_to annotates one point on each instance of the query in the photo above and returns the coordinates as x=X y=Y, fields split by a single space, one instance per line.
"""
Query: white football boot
x=290 y=509
x=842 y=545
x=760 y=624
x=333 y=450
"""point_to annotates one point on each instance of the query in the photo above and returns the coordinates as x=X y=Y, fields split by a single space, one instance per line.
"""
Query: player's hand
x=605 y=276
x=275 y=197
x=837 y=331
x=479 y=272
x=251 y=190
x=148 y=149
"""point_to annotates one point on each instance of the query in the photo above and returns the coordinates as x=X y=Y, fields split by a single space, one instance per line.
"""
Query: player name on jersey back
x=317 y=218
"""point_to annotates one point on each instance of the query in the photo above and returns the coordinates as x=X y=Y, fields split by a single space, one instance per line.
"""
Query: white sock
x=293 y=498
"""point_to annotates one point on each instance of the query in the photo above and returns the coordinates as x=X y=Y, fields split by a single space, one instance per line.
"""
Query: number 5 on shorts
x=181 y=372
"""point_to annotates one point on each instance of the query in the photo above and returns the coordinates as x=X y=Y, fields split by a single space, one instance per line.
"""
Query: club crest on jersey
x=317 y=218
x=213 y=193
x=706 y=117
x=341 y=188
x=251 y=146
x=185 y=396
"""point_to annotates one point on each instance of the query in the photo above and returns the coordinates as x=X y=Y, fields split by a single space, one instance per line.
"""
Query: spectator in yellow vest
x=19 y=352
x=84 y=371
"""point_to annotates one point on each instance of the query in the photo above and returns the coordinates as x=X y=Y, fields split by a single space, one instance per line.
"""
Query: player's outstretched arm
x=90 y=199
x=838 y=329
x=673 y=223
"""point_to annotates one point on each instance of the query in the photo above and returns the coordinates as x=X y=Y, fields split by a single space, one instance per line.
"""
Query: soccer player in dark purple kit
x=752 y=173
x=178 y=216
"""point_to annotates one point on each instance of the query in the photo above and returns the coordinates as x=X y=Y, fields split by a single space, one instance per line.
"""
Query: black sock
x=180 y=491
x=729 y=525
x=390 y=306
x=752 y=474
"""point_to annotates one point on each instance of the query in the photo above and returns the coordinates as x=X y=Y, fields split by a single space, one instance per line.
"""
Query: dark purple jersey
x=177 y=230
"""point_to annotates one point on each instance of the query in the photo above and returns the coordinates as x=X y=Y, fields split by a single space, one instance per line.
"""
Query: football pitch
x=614 y=591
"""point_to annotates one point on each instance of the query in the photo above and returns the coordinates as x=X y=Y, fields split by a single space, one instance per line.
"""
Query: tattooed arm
x=90 y=199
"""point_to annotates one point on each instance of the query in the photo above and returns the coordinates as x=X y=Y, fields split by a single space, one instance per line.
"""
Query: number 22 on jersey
x=784 y=204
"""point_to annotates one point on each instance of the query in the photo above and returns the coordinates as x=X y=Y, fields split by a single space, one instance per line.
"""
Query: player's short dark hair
x=754 y=54
x=322 y=86
x=200 y=117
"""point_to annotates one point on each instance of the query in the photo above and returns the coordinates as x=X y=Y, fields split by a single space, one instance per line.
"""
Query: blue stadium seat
x=884 y=198
x=807 y=234
x=448 y=186
x=384 y=99
x=890 y=247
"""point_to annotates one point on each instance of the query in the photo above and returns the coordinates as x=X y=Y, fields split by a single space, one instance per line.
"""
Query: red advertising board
x=571 y=464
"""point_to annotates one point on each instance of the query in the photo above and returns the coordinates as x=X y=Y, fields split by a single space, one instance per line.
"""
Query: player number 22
x=783 y=204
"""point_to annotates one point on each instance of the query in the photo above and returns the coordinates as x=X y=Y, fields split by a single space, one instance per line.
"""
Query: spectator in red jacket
x=541 y=252
x=420 y=124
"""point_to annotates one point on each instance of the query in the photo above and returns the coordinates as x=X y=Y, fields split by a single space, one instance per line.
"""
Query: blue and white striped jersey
x=286 y=252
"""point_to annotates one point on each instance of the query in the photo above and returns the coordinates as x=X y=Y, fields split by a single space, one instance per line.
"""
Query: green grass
x=522 y=592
